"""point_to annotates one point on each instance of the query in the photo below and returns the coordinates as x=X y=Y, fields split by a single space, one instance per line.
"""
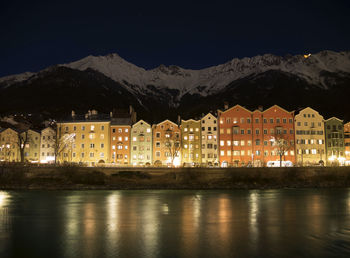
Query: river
x=173 y=223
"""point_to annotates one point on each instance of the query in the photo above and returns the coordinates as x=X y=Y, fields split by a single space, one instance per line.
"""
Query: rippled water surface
x=162 y=223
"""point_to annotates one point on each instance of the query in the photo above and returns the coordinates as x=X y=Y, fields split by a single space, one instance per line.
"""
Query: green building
x=334 y=130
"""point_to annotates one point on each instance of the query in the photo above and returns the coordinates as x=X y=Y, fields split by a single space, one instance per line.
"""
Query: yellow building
x=310 y=138
x=191 y=142
x=9 y=148
x=32 y=146
x=85 y=140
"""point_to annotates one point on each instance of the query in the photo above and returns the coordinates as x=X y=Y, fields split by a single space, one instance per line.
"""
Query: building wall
x=141 y=144
x=277 y=123
x=347 y=142
x=90 y=142
x=9 y=149
x=32 y=148
x=246 y=138
x=47 y=145
x=235 y=136
x=334 y=137
x=209 y=140
x=120 y=144
x=191 y=142
x=309 y=138
x=161 y=153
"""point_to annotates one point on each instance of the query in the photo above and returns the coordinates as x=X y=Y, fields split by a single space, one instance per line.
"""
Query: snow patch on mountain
x=209 y=80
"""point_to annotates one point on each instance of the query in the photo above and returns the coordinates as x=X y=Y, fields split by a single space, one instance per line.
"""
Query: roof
x=121 y=121
x=333 y=118
x=277 y=106
x=235 y=106
x=141 y=121
x=84 y=119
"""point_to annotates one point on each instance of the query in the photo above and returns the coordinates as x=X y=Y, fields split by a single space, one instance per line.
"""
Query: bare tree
x=172 y=144
x=24 y=139
x=62 y=143
x=281 y=144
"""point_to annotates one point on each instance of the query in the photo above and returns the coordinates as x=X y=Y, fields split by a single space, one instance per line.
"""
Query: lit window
x=92 y=128
x=222 y=143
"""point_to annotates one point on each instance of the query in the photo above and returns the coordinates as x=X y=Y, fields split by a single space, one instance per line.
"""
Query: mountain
x=320 y=80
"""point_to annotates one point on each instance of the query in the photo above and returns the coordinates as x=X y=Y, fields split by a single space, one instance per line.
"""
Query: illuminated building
x=32 y=146
x=85 y=139
x=310 y=138
x=347 y=143
x=334 y=136
x=248 y=138
x=166 y=144
x=141 y=144
x=191 y=142
x=209 y=140
x=47 y=145
x=9 y=148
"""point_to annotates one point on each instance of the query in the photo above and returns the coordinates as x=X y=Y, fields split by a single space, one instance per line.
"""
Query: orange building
x=120 y=141
x=166 y=143
x=235 y=136
x=277 y=124
x=249 y=138
x=347 y=143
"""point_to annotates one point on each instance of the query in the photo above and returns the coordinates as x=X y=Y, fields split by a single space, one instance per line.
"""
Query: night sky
x=149 y=33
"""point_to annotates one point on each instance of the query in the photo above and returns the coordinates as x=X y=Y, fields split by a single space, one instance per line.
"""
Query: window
x=265 y=121
x=92 y=128
x=91 y=154
x=228 y=143
x=83 y=136
x=271 y=120
x=82 y=145
x=248 y=120
x=257 y=131
x=235 y=143
x=102 y=145
x=102 y=136
x=222 y=153
x=242 y=143
x=242 y=131
x=257 y=120
x=74 y=128
x=157 y=144
x=222 y=143
x=92 y=145
x=284 y=120
x=257 y=142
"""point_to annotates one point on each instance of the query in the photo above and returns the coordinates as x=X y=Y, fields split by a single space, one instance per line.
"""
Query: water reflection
x=280 y=223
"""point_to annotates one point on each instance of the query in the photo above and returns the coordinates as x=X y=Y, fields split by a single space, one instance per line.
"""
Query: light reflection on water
x=256 y=223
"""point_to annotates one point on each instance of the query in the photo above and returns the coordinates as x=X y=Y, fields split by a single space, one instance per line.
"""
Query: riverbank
x=83 y=178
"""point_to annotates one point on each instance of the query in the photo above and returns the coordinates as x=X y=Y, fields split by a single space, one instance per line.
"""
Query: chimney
x=178 y=119
x=225 y=105
x=73 y=114
x=111 y=114
x=261 y=108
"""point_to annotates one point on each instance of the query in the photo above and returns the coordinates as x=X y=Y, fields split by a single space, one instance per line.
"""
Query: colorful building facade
x=141 y=144
x=347 y=143
x=9 y=148
x=166 y=144
x=120 y=142
x=209 y=136
x=191 y=142
x=334 y=137
x=249 y=138
x=85 y=139
x=32 y=146
x=47 y=145
x=310 y=138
